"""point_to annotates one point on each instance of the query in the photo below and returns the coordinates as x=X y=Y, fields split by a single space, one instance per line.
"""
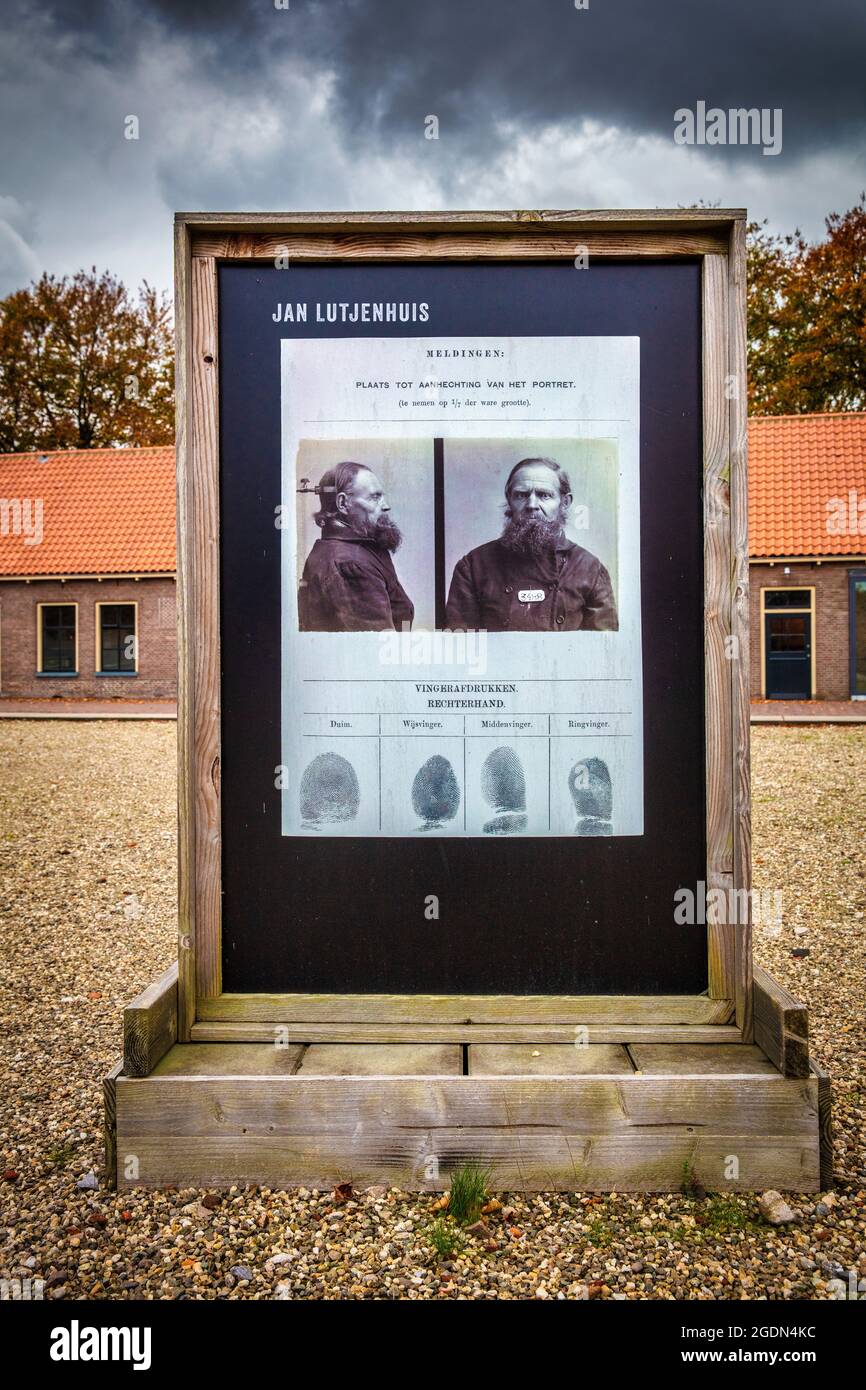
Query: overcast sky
x=322 y=105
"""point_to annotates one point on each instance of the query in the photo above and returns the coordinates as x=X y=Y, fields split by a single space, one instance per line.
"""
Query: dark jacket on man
x=349 y=584
x=561 y=590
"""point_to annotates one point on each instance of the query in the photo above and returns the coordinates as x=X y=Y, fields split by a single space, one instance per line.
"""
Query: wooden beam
x=717 y=620
x=623 y=1133
x=400 y=244
x=711 y=1059
x=150 y=1025
x=825 y=1124
x=109 y=1123
x=186 y=802
x=781 y=1025
x=740 y=675
x=503 y=222
x=548 y=1059
x=680 y=1033
x=383 y=1059
x=572 y=1010
x=205 y=635
x=231 y=1059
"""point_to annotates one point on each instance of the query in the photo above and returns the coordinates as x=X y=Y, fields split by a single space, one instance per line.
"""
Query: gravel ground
x=88 y=899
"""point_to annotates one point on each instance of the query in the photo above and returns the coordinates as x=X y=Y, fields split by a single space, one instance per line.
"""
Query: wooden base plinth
x=638 y=1117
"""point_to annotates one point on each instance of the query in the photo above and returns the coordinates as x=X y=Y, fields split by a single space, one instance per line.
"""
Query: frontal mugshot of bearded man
x=349 y=583
x=533 y=578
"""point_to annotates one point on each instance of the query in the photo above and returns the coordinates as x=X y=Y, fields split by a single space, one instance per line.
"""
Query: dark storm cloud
x=243 y=105
x=534 y=62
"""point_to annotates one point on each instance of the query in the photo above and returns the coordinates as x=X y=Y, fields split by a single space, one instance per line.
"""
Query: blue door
x=788 y=654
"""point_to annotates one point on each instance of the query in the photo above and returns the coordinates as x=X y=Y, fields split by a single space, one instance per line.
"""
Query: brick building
x=807 y=544
x=87 y=566
x=87 y=575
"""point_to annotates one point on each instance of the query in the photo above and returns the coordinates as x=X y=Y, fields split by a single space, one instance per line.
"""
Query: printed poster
x=461 y=639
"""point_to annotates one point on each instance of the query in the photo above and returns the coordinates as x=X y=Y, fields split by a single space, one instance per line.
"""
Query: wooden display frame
x=717 y=238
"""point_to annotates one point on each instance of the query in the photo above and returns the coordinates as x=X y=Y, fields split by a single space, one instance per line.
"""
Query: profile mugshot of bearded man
x=349 y=583
x=532 y=578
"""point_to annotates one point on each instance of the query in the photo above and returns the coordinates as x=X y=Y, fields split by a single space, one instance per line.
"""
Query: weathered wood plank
x=710 y=1059
x=717 y=601
x=825 y=1124
x=205 y=635
x=520 y=1160
x=150 y=1024
x=376 y=1059
x=584 y=1132
x=532 y=1033
x=739 y=667
x=305 y=1104
x=574 y=1010
x=185 y=644
x=501 y=220
x=231 y=1059
x=781 y=1025
x=548 y=1059
x=109 y=1123
x=380 y=245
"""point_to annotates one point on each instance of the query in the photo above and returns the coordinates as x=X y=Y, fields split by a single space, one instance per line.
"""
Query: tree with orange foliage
x=807 y=318
x=82 y=365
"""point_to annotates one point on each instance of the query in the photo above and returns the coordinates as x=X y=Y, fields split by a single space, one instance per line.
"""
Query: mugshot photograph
x=349 y=583
x=533 y=577
x=364 y=556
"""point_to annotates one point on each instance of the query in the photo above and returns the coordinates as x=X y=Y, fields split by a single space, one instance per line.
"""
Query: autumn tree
x=84 y=365
x=807 y=318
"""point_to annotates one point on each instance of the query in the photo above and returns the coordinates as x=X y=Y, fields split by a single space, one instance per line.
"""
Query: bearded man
x=349 y=583
x=533 y=578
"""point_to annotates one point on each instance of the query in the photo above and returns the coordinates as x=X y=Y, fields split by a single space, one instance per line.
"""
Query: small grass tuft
x=722 y=1214
x=468 y=1193
x=445 y=1238
x=61 y=1155
x=600 y=1233
x=691 y=1186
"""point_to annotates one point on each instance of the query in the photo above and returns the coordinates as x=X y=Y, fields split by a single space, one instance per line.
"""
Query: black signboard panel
x=517 y=915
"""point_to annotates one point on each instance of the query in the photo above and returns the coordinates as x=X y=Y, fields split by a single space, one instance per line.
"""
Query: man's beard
x=531 y=535
x=385 y=533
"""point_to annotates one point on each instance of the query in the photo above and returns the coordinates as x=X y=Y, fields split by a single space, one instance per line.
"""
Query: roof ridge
x=814 y=415
x=102 y=449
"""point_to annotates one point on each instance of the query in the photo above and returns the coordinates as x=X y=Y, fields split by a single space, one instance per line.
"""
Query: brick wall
x=830 y=623
x=157 y=639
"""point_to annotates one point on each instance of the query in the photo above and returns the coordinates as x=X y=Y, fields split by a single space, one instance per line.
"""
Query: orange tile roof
x=803 y=470
x=112 y=511
x=103 y=511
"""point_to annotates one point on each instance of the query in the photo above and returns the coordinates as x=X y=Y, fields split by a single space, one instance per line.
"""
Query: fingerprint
x=591 y=825
x=435 y=792
x=504 y=787
x=592 y=794
x=329 y=790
